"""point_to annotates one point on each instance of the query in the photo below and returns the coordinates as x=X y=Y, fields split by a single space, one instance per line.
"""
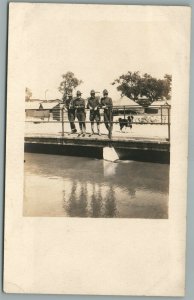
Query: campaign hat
x=105 y=92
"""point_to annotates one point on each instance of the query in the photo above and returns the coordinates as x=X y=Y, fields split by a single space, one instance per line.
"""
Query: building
x=37 y=108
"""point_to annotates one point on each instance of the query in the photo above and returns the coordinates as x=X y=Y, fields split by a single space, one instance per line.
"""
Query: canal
x=67 y=186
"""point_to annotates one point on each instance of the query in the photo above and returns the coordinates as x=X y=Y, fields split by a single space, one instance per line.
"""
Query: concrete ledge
x=133 y=149
x=140 y=144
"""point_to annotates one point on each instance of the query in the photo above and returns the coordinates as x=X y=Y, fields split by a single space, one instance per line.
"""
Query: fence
x=158 y=115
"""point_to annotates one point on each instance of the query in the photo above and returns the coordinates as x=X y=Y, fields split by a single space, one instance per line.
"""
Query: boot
x=72 y=131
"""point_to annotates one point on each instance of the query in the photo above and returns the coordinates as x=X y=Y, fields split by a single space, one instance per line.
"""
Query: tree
x=28 y=94
x=167 y=86
x=69 y=83
x=135 y=87
x=129 y=85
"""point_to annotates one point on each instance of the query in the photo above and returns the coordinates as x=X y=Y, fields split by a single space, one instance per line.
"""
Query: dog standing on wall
x=125 y=123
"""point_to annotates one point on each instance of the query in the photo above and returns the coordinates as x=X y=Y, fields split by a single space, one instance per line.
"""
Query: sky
x=97 y=52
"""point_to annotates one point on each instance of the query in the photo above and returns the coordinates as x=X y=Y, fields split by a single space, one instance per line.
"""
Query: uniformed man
x=106 y=104
x=69 y=106
x=94 y=106
x=79 y=105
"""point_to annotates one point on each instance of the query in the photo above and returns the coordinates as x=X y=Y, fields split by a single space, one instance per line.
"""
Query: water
x=85 y=187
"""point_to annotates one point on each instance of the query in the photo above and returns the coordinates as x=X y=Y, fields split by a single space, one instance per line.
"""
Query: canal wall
x=133 y=149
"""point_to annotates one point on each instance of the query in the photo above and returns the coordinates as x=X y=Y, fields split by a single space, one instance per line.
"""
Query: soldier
x=69 y=106
x=79 y=105
x=106 y=104
x=94 y=106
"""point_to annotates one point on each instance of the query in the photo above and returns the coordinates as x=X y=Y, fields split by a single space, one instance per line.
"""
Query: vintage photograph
x=97 y=118
x=96 y=149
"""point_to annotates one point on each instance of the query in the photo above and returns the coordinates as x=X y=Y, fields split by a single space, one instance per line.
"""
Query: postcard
x=96 y=149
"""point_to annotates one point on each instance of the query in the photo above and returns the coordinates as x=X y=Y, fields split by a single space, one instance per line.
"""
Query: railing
x=154 y=115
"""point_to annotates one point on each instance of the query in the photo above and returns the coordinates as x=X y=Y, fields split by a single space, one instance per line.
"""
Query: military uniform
x=79 y=105
x=108 y=116
x=69 y=105
x=94 y=106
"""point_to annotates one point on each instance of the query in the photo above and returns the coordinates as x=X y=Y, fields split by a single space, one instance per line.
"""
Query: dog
x=125 y=123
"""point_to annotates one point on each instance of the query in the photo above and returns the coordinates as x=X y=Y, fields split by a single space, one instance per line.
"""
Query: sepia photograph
x=96 y=149
x=97 y=118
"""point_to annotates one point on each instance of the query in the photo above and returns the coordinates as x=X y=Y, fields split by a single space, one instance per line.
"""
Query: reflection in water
x=85 y=187
x=76 y=204
x=71 y=205
x=109 y=168
x=82 y=201
x=132 y=192
x=110 y=204
x=96 y=202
